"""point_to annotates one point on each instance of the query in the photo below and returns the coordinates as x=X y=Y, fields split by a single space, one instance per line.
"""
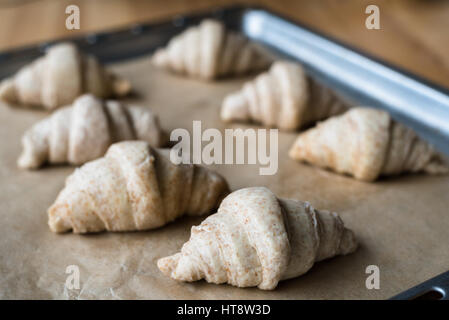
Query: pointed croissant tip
x=292 y=152
x=30 y=158
x=25 y=162
x=296 y=150
x=121 y=87
x=437 y=165
x=348 y=243
x=234 y=108
x=55 y=221
x=168 y=264
x=160 y=58
x=8 y=91
x=180 y=267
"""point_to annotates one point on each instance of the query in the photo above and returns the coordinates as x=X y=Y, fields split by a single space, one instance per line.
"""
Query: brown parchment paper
x=402 y=223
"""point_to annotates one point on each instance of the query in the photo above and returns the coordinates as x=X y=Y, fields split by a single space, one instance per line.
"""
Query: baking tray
x=355 y=76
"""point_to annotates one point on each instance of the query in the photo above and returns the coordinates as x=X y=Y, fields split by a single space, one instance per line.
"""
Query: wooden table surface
x=414 y=33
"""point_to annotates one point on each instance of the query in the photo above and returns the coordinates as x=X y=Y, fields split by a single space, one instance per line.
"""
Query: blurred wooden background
x=414 y=33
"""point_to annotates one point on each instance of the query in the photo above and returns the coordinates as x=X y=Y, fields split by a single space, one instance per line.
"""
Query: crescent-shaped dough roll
x=134 y=187
x=59 y=77
x=284 y=97
x=84 y=131
x=209 y=51
x=366 y=143
x=257 y=239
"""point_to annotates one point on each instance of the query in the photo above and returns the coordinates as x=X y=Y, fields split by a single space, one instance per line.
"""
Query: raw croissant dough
x=208 y=51
x=134 y=187
x=366 y=143
x=59 y=77
x=257 y=239
x=284 y=97
x=83 y=132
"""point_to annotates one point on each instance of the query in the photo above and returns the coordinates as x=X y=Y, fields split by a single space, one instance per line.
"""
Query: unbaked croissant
x=84 y=131
x=134 y=187
x=257 y=239
x=208 y=51
x=366 y=143
x=284 y=97
x=59 y=77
